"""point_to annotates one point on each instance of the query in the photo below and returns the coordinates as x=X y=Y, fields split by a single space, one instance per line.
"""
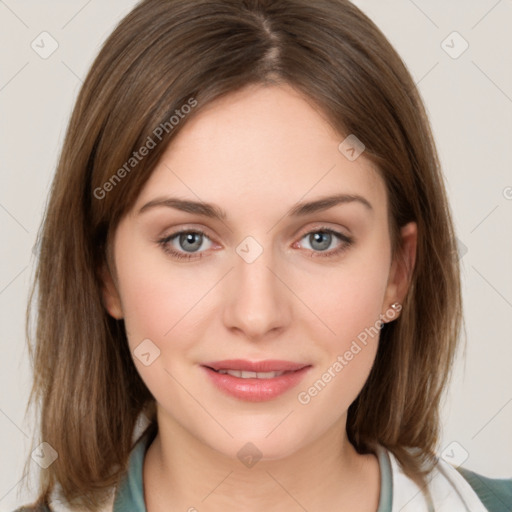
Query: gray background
x=469 y=101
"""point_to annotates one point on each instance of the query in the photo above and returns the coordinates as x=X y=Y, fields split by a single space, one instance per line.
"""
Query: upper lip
x=269 y=365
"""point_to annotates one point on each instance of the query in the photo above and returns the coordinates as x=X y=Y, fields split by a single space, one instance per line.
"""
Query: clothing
x=452 y=490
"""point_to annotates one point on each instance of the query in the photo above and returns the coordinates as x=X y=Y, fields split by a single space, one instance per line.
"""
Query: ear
x=402 y=267
x=111 y=298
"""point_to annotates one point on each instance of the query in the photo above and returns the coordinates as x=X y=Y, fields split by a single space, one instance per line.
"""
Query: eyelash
x=347 y=242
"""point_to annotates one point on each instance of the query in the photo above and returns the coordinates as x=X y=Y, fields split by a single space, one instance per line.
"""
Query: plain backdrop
x=468 y=95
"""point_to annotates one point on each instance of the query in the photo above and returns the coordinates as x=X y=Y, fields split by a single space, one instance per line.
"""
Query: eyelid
x=324 y=227
x=187 y=228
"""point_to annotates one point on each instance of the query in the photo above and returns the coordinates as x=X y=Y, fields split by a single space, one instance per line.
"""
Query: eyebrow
x=215 y=212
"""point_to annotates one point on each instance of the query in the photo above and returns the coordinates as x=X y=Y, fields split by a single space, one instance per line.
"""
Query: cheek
x=161 y=306
x=349 y=299
x=349 y=354
x=157 y=297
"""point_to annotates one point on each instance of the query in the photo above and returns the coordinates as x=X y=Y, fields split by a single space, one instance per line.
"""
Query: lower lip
x=256 y=390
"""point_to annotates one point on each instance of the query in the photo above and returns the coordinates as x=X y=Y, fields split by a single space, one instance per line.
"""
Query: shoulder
x=495 y=493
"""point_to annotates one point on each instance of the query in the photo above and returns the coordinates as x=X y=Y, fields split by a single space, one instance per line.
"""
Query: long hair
x=164 y=62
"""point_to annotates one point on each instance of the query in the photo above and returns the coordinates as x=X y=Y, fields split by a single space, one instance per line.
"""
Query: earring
x=396 y=306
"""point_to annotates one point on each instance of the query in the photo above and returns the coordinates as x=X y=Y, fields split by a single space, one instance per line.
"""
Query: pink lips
x=255 y=389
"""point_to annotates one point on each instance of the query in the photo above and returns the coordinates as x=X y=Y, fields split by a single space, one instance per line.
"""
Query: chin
x=250 y=445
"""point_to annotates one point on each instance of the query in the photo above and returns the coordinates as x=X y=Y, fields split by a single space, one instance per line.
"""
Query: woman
x=294 y=356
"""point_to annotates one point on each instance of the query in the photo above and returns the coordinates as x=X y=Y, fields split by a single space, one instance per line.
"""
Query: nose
x=258 y=301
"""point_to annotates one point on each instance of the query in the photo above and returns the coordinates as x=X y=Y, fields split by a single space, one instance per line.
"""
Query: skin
x=256 y=153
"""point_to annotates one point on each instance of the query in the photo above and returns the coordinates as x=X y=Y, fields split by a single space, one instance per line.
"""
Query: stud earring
x=396 y=306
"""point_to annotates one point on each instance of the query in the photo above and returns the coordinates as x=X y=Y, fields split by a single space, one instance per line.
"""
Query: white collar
x=449 y=490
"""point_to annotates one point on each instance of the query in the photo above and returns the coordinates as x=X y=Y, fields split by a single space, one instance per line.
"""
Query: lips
x=255 y=381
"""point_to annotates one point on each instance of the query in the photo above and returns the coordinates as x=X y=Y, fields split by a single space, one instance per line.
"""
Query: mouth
x=255 y=381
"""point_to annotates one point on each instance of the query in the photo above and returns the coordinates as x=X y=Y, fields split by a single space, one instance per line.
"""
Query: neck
x=182 y=473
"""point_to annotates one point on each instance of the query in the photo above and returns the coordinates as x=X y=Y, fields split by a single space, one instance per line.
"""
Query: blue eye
x=187 y=244
x=186 y=241
x=321 y=239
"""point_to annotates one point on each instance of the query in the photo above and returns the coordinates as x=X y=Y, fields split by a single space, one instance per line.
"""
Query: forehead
x=267 y=145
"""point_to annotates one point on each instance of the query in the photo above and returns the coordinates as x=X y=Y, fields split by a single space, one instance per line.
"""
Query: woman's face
x=270 y=280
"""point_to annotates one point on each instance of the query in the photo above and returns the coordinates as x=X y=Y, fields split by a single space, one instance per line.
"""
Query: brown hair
x=169 y=53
